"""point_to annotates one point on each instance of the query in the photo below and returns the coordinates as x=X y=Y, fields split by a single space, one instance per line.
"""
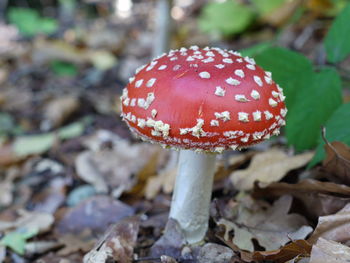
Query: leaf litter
x=337 y=161
x=271 y=226
x=268 y=167
x=71 y=174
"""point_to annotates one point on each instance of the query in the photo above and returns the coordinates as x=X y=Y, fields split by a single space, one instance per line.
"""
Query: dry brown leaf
x=297 y=248
x=318 y=198
x=8 y=156
x=337 y=162
x=281 y=15
x=271 y=226
x=87 y=171
x=59 y=109
x=327 y=251
x=333 y=227
x=164 y=180
x=115 y=166
x=77 y=242
x=118 y=244
x=47 y=50
x=96 y=214
x=16 y=99
x=30 y=220
x=268 y=167
x=3 y=77
x=320 y=6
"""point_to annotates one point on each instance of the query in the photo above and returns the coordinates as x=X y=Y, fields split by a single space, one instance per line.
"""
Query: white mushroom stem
x=192 y=194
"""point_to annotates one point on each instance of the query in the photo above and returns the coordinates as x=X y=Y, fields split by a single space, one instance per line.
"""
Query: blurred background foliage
x=82 y=47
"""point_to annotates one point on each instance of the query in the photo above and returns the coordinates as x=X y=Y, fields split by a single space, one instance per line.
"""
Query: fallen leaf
x=54 y=258
x=59 y=109
x=117 y=244
x=167 y=259
x=337 y=162
x=40 y=221
x=268 y=167
x=282 y=14
x=9 y=45
x=320 y=6
x=327 y=251
x=215 y=253
x=15 y=98
x=87 y=171
x=115 y=166
x=297 y=248
x=164 y=180
x=47 y=50
x=16 y=240
x=6 y=190
x=40 y=247
x=333 y=227
x=102 y=59
x=96 y=214
x=27 y=145
x=2 y=254
x=51 y=197
x=271 y=226
x=76 y=242
x=317 y=198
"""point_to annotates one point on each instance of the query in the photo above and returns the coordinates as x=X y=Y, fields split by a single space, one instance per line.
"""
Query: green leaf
x=226 y=18
x=256 y=49
x=62 y=68
x=291 y=70
x=25 y=19
x=265 y=7
x=337 y=41
x=16 y=240
x=313 y=106
x=29 y=23
x=337 y=129
x=47 y=25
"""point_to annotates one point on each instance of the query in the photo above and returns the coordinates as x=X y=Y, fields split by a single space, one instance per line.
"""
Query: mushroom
x=201 y=102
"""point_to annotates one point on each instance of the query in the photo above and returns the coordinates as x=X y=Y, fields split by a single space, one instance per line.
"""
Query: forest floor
x=74 y=181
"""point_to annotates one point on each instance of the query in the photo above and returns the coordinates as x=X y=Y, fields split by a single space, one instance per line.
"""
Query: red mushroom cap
x=204 y=99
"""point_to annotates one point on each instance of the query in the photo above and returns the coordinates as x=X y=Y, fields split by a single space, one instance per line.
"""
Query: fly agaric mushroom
x=201 y=101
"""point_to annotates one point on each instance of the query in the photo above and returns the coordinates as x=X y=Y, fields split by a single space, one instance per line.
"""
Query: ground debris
x=271 y=226
x=96 y=214
x=327 y=251
x=337 y=162
x=268 y=167
x=117 y=244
